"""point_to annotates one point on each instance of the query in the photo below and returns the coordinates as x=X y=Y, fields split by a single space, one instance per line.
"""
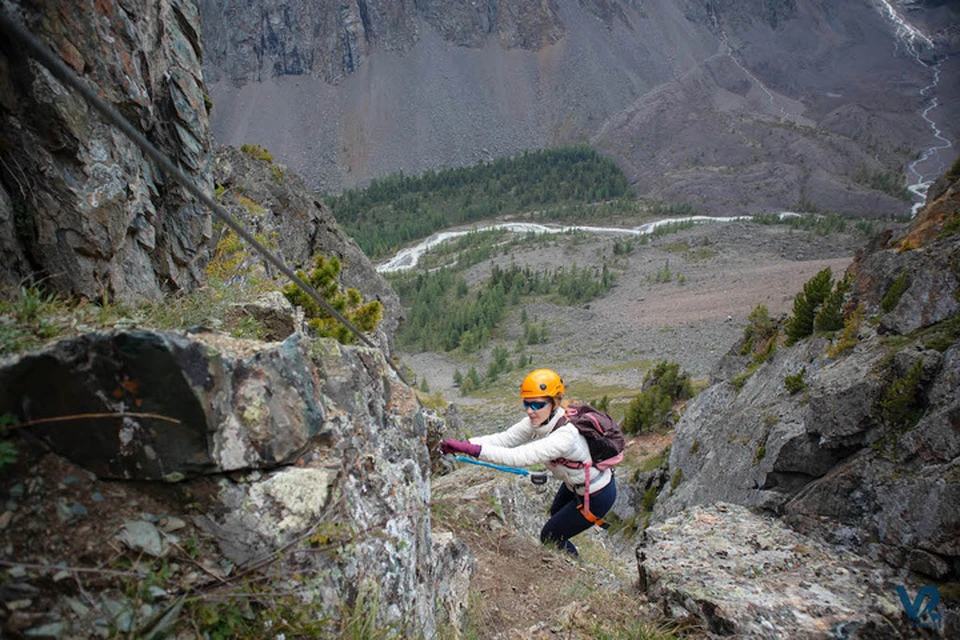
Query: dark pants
x=566 y=520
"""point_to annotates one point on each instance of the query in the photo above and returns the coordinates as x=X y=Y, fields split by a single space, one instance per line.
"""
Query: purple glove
x=456 y=446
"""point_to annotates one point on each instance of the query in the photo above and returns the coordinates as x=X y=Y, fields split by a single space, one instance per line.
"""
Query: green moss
x=760 y=453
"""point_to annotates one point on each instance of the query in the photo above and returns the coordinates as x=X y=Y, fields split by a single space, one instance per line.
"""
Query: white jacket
x=524 y=445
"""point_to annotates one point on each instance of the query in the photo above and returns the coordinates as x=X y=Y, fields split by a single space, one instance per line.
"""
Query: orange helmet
x=541 y=383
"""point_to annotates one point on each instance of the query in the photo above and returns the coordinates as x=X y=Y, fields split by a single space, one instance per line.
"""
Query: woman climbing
x=545 y=436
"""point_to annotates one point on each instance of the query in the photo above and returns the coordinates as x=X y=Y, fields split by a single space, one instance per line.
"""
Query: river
x=930 y=164
x=409 y=257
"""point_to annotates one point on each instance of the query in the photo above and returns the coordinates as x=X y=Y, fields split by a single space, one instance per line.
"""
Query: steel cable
x=60 y=70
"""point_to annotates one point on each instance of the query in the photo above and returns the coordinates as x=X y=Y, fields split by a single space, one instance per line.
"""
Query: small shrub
x=676 y=479
x=890 y=300
x=759 y=335
x=650 y=498
x=943 y=335
x=695 y=446
x=740 y=380
x=830 y=316
x=325 y=279
x=664 y=385
x=850 y=334
x=276 y=174
x=796 y=383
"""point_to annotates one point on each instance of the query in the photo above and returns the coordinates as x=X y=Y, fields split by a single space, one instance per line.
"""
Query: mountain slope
x=729 y=106
x=811 y=109
x=421 y=101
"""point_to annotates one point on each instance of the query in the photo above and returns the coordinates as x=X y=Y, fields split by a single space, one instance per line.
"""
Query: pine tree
x=806 y=305
x=830 y=317
x=325 y=279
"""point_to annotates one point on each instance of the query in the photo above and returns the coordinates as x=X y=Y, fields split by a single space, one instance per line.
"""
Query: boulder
x=159 y=405
x=299 y=465
x=736 y=573
x=866 y=454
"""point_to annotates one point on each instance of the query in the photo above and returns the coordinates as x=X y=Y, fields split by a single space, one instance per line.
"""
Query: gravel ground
x=719 y=273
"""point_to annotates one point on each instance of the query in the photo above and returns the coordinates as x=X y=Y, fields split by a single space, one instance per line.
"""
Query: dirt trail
x=522 y=589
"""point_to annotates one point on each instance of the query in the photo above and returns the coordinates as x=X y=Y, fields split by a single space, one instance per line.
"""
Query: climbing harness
x=536 y=477
x=43 y=55
x=584 y=507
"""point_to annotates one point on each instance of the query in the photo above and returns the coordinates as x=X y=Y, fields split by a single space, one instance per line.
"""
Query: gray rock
x=170 y=524
x=454 y=565
x=273 y=312
x=141 y=536
x=53 y=631
x=737 y=573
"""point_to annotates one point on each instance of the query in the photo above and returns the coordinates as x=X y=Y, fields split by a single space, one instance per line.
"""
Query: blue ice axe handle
x=536 y=477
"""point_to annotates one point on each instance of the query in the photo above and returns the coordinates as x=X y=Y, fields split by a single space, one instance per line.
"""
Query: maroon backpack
x=605 y=439
x=602 y=433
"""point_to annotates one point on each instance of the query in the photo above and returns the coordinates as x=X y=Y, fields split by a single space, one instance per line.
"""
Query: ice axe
x=536 y=477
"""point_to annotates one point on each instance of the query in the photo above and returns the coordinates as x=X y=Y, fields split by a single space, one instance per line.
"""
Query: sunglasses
x=536 y=405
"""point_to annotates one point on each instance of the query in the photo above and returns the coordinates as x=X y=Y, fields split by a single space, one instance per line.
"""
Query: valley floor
x=682 y=297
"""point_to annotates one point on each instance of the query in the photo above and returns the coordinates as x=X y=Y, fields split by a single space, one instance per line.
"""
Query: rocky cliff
x=80 y=206
x=85 y=213
x=853 y=436
x=274 y=204
x=726 y=106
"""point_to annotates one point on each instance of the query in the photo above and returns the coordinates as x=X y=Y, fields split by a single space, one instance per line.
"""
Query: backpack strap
x=584 y=508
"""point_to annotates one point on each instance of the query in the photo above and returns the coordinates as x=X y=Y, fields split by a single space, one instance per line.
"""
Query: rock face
x=273 y=203
x=867 y=453
x=720 y=105
x=80 y=205
x=331 y=40
x=739 y=574
x=300 y=458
